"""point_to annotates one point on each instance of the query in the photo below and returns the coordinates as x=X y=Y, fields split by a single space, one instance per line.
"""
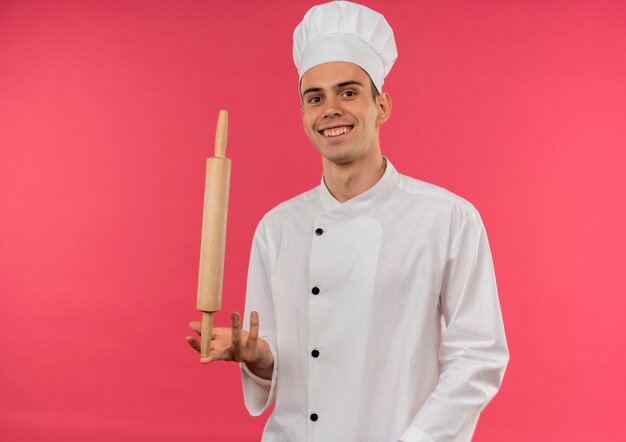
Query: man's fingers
x=236 y=350
x=210 y=358
x=195 y=326
x=193 y=343
x=213 y=356
x=236 y=335
x=253 y=336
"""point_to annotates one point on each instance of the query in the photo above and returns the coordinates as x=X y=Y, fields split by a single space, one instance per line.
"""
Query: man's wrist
x=265 y=358
x=263 y=366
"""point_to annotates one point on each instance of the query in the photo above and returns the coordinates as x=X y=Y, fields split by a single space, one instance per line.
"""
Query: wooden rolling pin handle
x=207 y=333
x=221 y=134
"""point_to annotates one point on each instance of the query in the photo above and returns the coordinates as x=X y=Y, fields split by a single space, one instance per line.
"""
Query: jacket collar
x=362 y=203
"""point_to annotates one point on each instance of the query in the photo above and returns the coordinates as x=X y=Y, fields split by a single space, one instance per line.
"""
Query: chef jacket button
x=315 y=353
x=313 y=417
x=319 y=232
x=315 y=290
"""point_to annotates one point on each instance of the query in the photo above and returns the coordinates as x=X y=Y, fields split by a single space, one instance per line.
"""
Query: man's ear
x=383 y=103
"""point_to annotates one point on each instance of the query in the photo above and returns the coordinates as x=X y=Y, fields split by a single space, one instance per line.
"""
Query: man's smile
x=335 y=131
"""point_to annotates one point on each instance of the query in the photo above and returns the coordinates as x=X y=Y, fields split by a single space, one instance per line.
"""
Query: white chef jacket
x=351 y=299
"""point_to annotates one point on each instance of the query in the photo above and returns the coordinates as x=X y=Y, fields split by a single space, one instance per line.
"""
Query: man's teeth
x=336 y=131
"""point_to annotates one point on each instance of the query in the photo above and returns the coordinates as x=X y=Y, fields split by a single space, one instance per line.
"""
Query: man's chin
x=338 y=158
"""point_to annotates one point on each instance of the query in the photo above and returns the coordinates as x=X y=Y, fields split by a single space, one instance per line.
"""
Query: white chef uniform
x=350 y=299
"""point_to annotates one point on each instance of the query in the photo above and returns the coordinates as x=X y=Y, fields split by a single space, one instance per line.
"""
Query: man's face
x=340 y=116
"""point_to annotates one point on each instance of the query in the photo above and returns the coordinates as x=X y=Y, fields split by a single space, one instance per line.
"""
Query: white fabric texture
x=407 y=320
x=345 y=31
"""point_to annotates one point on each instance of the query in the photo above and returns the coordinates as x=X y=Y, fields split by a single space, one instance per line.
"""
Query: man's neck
x=346 y=181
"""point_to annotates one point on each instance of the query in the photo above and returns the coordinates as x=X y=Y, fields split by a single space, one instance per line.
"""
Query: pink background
x=108 y=112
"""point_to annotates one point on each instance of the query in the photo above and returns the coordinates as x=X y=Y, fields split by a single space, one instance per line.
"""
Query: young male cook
x=348 y=282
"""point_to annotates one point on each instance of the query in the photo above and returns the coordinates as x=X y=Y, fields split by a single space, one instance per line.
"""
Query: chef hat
x=345 y=31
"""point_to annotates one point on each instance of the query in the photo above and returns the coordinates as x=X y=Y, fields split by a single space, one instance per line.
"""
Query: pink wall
x=107 y=113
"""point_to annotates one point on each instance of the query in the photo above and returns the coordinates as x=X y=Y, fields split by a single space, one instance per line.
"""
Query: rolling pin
x=213 y=243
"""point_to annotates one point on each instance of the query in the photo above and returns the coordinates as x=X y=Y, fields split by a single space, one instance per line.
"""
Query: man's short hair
x=375 y=92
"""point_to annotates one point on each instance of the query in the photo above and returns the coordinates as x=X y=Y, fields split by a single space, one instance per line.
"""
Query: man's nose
x=332 y=108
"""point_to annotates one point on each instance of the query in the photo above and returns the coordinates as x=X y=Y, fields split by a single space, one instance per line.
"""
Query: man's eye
x=315 y=100
x=349 y=94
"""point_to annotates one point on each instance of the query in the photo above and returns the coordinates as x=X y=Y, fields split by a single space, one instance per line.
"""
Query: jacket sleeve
x=259 y=393
x=473 y=354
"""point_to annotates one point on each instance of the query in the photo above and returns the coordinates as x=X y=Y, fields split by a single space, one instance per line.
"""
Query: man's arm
x=256 y=350
x=259 y=392
x=473 y=354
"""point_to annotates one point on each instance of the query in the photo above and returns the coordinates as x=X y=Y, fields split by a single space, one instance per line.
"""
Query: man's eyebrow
x=311 y=89
x=348 y=83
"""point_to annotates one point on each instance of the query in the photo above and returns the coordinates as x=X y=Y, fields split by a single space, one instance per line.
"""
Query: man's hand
x=233 y=344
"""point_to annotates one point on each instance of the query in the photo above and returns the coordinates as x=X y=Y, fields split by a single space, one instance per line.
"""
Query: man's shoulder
x=294 y=203
x=433 y=195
